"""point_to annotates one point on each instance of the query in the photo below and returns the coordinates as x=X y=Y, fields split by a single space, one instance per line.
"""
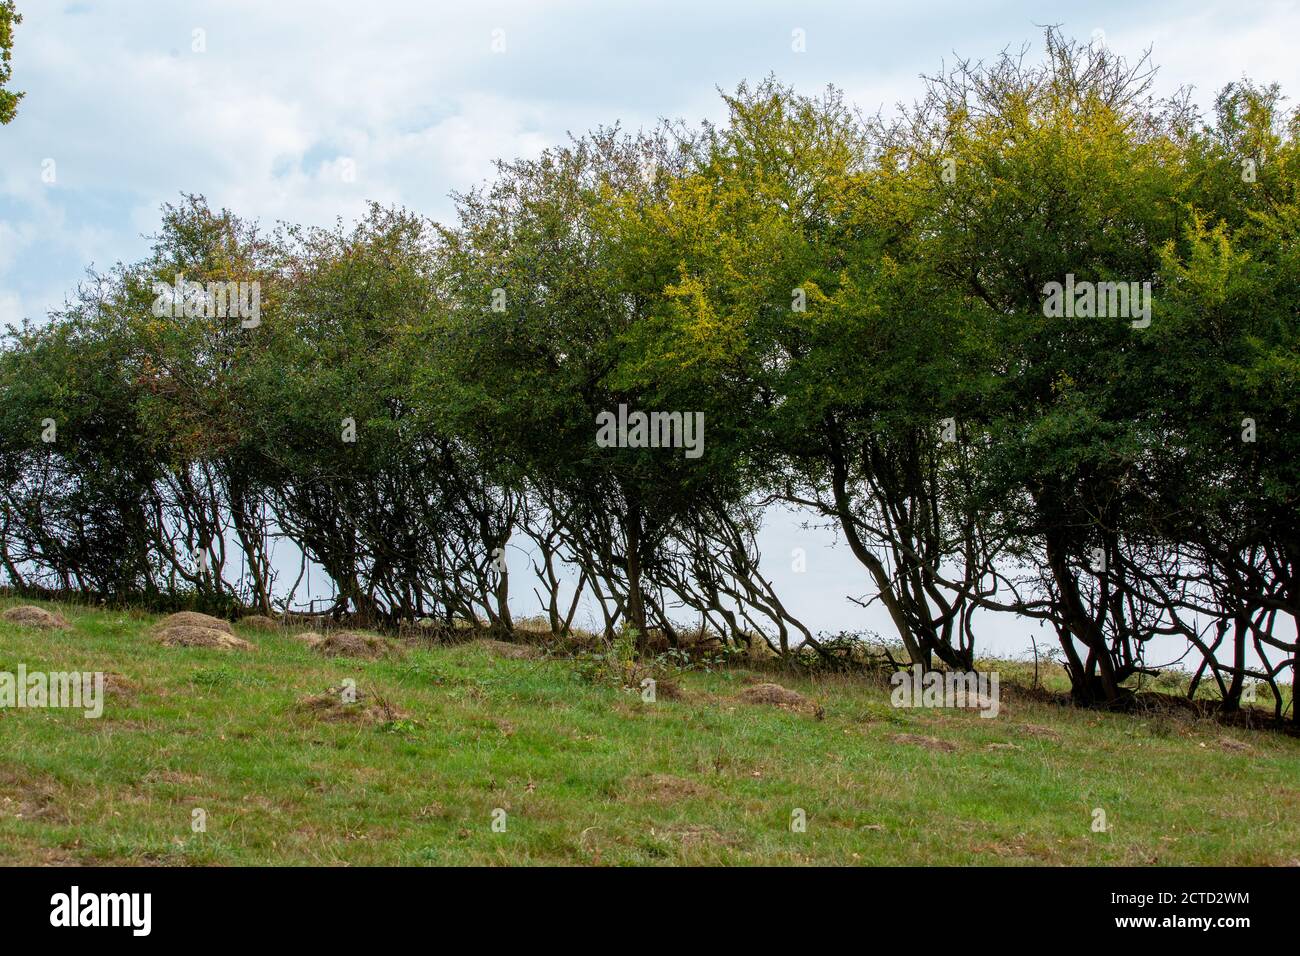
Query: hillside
x=588 y=773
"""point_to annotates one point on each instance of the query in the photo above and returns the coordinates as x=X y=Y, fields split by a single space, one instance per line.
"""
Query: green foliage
x=615 y=664
x=9 y=18
x=857 y=308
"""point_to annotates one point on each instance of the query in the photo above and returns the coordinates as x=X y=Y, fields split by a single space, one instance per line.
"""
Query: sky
x=307 y=110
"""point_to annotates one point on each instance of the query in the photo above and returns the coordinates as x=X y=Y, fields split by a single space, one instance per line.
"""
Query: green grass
x=588 y=774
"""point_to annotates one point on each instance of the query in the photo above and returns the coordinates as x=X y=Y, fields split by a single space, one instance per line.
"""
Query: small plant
x=618 y=665
x=680 y=659
x=614 y=664
x=402 y=727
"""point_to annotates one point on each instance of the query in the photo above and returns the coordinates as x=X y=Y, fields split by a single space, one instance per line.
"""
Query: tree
x=1066 y=171
x=9 y=18
x=828 y=354
x=1225 y=485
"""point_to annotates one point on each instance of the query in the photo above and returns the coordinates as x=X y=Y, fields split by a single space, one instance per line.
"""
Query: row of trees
x=857 y=306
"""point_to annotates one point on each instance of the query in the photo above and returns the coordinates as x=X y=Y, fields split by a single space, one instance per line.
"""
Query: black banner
x=345 y=905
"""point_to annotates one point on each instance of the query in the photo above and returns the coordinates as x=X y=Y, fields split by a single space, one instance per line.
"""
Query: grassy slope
x=590 y=774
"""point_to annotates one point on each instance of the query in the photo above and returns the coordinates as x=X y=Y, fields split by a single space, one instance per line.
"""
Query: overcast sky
x=266 y=106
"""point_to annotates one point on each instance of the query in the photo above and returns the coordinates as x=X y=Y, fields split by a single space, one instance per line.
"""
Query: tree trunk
x=635 y=602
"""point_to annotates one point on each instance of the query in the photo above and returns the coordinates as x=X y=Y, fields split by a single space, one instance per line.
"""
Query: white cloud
x=11 y=309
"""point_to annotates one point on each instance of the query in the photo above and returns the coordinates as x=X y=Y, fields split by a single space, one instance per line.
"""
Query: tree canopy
x=1029 y=346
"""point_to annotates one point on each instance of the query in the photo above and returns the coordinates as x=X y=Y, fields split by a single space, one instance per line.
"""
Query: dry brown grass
x=506 y=649
x=777 y=696
x=195 y=619
x=187 y=635
x=330 y=707
x=29 y=615
x=355 y=644
x=261 y=622
x=664 y=788
x=1037 y=730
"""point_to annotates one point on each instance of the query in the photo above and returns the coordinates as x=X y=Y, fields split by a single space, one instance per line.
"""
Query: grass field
x=589 y=773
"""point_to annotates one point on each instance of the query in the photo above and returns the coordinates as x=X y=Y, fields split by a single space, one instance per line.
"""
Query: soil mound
x=195 y=619
x=355 y=644
x=332 y=707
x=506 y=649
x=189 y=635
x=777 y=696
x=29 y=615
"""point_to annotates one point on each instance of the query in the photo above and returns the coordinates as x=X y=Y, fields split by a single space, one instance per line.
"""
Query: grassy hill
x=588 y=773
